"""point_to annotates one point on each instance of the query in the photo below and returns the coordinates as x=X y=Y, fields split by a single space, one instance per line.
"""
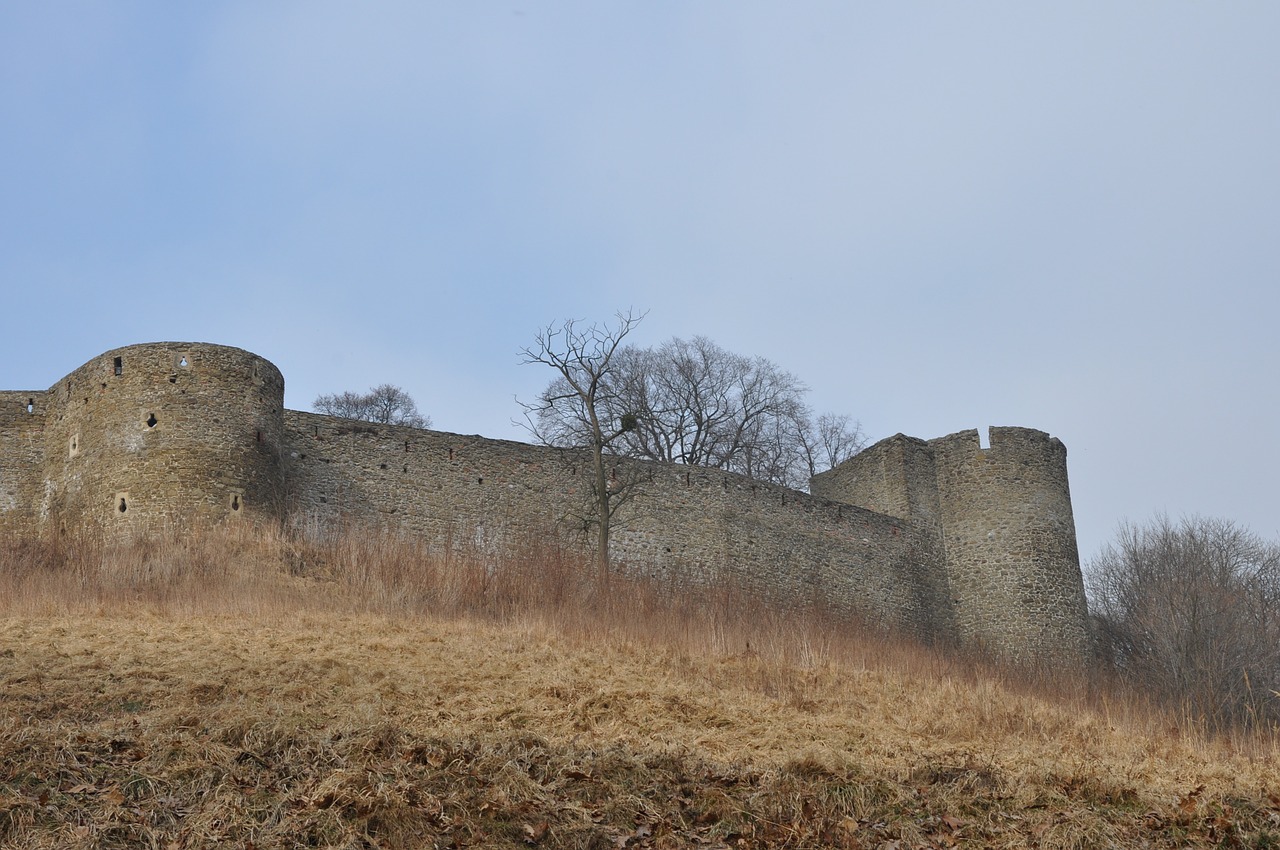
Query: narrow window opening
x=123 y=506
x=406 y=446
x=406 y=467
x=119 y=366
x=151 y=420
x=235 y=501
x=183 y=363
x=451 y=453
x=479 y=480
x=259 y=437
x=984 y=439
x=31 y=405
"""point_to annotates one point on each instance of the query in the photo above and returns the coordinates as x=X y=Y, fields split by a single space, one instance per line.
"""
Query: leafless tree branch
x=386 y=404
x=578 y=408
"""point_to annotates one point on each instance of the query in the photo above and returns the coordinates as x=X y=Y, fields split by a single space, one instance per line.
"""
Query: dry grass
x=253 y=690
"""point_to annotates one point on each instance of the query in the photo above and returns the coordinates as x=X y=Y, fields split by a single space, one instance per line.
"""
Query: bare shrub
x=1190 y=613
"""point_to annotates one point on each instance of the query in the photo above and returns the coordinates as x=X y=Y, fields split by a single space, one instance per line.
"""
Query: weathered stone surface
x=1001 y=519
x=941 y=538
x=157 y=436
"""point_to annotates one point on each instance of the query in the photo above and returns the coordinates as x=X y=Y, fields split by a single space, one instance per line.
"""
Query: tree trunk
x=602 y=506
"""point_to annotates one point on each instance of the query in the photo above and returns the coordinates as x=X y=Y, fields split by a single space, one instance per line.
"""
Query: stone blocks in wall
x=161 y=436
x=1009 y=538
x=896 y=476
x=22 y=422
x=1001 y=521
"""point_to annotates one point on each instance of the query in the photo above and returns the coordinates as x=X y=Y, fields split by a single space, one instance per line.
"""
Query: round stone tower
x=164 y=436
x=1010 y=542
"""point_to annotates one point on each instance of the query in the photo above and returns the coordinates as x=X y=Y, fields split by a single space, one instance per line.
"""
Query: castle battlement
x=1000 y=516
x=942 y=538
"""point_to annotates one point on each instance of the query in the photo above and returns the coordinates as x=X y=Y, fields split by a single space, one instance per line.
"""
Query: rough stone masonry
x=941 y=538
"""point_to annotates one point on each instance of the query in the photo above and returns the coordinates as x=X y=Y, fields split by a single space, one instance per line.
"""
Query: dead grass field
x=257 y=692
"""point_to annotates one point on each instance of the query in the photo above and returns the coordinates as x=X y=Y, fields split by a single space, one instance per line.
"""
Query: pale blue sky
x=939 y=215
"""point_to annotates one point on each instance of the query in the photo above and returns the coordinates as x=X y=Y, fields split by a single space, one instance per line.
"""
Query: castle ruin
x=941 y=538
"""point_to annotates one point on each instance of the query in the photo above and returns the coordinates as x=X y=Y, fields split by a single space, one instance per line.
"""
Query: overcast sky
x=940 y=216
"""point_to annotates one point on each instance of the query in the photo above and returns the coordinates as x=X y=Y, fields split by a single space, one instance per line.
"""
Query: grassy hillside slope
x=262 y=693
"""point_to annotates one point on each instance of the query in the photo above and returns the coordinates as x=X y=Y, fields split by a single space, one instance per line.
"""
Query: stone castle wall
x=896 y=476
x=685 y=524
x=1002 y=519
x=163 y=435
x=1010 y=540
x=939 y=538
x=22 y=418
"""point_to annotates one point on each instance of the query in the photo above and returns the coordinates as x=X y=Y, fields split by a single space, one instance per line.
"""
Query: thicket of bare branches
x=385 y=404
x=694 y=402
x=1190 y=613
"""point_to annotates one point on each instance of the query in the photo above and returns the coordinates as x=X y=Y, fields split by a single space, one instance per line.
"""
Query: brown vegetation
x=1190 y=612
x=238 y=690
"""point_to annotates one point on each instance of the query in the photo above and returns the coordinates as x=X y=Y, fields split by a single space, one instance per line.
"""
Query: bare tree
x=386 y=404
x=830 y=440
x=699 y=404
x=683 y=393
x=1190 y=612
x=580 y=408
